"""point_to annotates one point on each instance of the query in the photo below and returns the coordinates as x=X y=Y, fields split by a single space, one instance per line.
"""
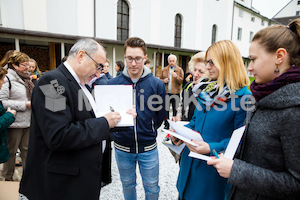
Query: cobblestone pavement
x=168 y=172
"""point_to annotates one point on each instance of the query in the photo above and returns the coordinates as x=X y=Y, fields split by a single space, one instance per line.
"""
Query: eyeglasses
x=137 y=60
x=25 y=65
x=99 y=65
x=210 y=62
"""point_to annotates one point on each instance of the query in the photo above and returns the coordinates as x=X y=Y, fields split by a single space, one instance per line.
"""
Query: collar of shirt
x=83 y=87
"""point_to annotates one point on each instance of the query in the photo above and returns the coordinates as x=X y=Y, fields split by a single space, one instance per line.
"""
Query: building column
x=17 y=44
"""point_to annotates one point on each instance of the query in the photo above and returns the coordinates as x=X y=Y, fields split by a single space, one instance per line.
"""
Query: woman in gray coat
x=267 y=165
x=16 y=93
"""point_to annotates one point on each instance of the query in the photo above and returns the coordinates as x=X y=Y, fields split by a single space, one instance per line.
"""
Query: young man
x=138 y=144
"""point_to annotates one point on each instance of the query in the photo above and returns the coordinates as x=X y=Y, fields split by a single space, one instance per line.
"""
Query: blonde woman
x=16 y=93
x=215 y=118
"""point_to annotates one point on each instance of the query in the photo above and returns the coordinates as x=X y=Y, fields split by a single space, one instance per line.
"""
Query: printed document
x=118 y=98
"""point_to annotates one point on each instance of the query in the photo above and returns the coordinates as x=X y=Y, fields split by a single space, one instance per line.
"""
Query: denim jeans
x=149 y=169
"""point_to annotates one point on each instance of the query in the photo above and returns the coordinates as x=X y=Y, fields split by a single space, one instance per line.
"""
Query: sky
x=269 y=8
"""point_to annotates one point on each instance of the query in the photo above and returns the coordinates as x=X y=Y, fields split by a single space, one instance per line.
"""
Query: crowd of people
x=66 y=152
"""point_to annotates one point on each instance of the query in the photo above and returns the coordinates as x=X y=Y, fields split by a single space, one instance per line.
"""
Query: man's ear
x=281 y=55
x=80 y=56
x=146 y=56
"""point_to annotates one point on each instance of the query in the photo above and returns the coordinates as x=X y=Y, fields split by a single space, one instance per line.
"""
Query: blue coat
x=197 y=180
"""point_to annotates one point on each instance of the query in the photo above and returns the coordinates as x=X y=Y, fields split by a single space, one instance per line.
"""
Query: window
x=251 y=36
x=298 y=3
x=262 y=22
x=214 y=34
x=178 y=27
x=241 y=12
x=297 y=13
x=239 y=36
x=252 y=19
x=123 y=20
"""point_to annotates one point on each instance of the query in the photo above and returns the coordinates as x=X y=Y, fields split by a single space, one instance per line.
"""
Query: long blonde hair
x=228 y=60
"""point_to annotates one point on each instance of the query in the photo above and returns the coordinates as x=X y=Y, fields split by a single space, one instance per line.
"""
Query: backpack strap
x=9 y=83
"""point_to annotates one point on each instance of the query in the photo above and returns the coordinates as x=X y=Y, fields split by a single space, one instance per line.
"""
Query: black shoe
x=19 y=164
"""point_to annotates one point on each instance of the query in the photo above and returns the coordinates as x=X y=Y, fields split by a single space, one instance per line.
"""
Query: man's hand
x=176 y=141
x=11 y=111
x=176 y=118
x=28 y=104
x=174 y=75
x=223 y=165
x=132 y=111
x=112 y=118
x=166 y=80
x=203 y=147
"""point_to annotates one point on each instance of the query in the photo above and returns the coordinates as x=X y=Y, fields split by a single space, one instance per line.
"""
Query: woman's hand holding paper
x=222 y=164
x=203 y=147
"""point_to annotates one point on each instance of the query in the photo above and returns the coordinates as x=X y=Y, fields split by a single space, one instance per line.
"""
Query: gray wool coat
x=269 y=162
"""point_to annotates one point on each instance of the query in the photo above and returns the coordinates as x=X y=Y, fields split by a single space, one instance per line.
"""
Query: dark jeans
x=174 y=104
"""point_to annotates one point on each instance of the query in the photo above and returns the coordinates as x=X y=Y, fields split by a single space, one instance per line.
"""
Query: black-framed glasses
x=210 y=62
x=99 y=65
x=137 y=60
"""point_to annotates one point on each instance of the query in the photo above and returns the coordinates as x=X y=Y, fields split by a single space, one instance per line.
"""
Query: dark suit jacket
x=65 y=153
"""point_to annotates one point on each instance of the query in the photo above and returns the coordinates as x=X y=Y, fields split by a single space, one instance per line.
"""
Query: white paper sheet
x=185 y=131
x=180 y=137
x=119 y=97
x=234 y=142
x=231 y=147
x=176 y=149
x=199 y=156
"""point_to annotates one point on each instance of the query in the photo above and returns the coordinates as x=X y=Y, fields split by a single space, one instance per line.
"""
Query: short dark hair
x=135 y=42
x=120 y=64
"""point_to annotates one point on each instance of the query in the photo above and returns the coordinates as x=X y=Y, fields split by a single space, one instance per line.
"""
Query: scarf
x=28 y=84
x=259 y=91
x=207 y=92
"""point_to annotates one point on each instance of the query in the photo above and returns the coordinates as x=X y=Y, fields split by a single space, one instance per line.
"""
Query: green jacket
x=6 y=119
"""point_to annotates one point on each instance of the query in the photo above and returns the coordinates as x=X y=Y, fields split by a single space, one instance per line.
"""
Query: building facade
x=46 y=29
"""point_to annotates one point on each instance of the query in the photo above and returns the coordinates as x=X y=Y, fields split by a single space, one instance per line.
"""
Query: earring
x=276 y=71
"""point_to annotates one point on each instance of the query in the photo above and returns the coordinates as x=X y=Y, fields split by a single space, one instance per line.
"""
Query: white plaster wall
x=62 y=17
x=289 y=10
x=35 y=17
x=85 y=17
x=12 y=13
x=247 y=26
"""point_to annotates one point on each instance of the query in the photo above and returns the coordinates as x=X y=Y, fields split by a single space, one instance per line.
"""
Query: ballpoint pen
x=111 y=109
x=215 y=153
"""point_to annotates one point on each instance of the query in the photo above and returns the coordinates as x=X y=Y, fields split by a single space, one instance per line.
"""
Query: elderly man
x=65 y=147
x=172 y=76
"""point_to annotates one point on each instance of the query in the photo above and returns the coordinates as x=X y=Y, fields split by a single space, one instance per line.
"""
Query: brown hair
x=5 y=58
x=279 y=36
x=148 y=61
x=135 y=42
x=16 y=58
x=2 y=72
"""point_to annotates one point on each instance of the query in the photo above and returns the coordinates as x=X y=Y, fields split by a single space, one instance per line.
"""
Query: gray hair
x=198 y=57
x=172 y=55
x=86 y=44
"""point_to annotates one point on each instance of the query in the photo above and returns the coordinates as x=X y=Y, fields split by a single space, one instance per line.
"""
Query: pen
x=215 y=153
x=111 y=109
